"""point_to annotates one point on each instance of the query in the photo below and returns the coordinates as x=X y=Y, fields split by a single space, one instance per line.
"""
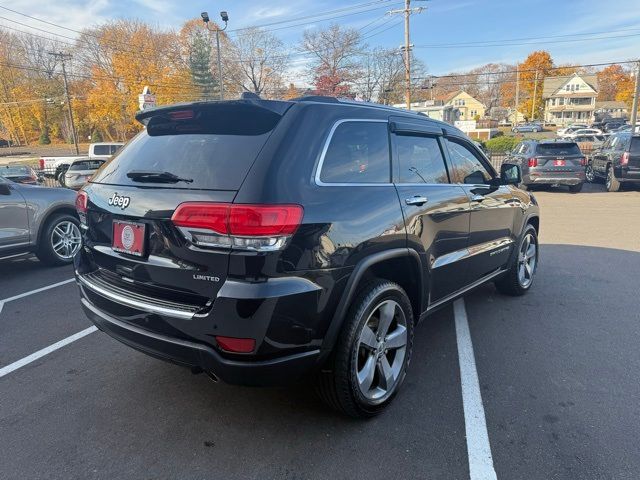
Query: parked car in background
x=19 y=174
x=5 y=142
x=570 y=128
x=622 y=128
x=528 y=127
x=617 y=161
x=612 y=126
x=80 y=171
x=550 y=163
x=38 y=220
x=260 y=241
x=56 y=166
x=581 y=131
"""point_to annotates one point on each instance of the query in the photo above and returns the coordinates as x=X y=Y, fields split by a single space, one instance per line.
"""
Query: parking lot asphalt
x=557 y=370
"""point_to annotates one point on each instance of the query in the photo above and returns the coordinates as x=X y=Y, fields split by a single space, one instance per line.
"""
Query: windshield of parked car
x=558 y=149
x=86 y=165
x=15 y=170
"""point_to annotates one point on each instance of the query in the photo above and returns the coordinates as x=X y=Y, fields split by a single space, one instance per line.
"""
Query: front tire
x=372 y=353
x=575 y=188
x=59 y=241
x=519 y=278
x=612 y=183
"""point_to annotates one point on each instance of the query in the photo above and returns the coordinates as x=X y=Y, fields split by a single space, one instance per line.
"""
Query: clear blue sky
x=443 y=22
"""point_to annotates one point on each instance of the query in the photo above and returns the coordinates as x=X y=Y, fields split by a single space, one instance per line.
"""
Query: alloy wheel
x=588 y=172
x=65 y=239
x=527 y=260
x=609 y=175
x=381 y=351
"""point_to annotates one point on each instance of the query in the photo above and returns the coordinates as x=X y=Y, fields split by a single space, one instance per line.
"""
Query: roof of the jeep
x=280 y=106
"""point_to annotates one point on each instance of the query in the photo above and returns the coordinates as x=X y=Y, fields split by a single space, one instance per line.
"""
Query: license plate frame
x=129 y=237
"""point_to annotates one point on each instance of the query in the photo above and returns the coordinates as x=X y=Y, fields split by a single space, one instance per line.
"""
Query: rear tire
x=590 y=174
x=519 y=278
x=369 y=361
x=612 y=183
x=575 y=188
x=57 y=243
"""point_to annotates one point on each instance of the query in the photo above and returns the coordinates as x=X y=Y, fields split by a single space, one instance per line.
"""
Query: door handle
x=477 y=198
x=416 y=200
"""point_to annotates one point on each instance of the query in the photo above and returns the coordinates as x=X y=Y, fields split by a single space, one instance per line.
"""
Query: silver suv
x=38 y=220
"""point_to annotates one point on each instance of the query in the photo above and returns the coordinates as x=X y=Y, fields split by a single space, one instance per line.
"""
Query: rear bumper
x=628 y=174
x=191 y=354
x=552 y=178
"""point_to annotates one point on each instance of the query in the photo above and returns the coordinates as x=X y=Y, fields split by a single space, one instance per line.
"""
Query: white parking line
x=31 y=292
x=41 y=353
x=478 y=447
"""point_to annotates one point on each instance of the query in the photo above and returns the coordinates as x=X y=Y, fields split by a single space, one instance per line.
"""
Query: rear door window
x=420 y=160
x=212 y=147
x=558 y=149
x=634 y=149
x=358 y=152
x=101 y=150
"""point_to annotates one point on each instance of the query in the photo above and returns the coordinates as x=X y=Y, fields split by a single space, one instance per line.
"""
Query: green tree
x=199 y=56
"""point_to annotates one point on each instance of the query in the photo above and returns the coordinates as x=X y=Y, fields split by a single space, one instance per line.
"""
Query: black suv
x=260 y=241
x=550 y=163
x=617 y=161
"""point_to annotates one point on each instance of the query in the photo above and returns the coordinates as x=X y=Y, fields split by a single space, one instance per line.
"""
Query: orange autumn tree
x=533 y=72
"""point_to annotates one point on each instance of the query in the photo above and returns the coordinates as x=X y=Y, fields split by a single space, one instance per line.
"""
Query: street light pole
x=225 y=18
x=634 y=107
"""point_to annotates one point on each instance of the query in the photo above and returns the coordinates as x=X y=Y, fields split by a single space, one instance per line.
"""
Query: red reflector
x=211 y=216
x=624 y=159
x=41 y=163
x=264 y=220
x=181 y=115
x=239 y=220
x=236 y=345
x=533 y=162
x=82 y=199
x=583 y=161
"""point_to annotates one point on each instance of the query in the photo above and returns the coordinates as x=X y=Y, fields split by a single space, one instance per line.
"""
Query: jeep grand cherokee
x=260 y=241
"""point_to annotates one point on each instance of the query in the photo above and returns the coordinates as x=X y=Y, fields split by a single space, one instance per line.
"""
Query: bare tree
x=257 y=61
x=335 y=62
x=381 y=73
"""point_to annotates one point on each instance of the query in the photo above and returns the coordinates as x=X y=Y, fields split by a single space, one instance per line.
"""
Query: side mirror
x=4 y=189
x=510 y=174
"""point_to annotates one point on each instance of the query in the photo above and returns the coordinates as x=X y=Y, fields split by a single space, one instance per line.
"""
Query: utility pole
x=515 y=115
x=225 y=18
x=636 y=95
x=63 y=57
x=535 y=90
x=407 y=11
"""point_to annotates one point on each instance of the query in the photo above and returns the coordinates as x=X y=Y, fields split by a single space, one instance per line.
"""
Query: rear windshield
x=15 y=170
x=102 y=149
x=86 y=165
x=557 y=149
x=213 y=147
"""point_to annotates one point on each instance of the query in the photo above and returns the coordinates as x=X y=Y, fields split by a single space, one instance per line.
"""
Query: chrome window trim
x=325 y=148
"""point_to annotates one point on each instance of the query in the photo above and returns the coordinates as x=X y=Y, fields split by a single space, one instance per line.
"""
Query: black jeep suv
x=617 y=161
x=260 y=241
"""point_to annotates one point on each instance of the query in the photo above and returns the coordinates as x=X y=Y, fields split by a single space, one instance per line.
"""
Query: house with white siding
x=570 y=99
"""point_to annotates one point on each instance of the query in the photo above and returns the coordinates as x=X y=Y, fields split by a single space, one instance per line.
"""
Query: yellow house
x=468 y=106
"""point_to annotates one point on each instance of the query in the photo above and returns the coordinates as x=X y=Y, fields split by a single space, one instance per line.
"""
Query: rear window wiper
x=156 y=176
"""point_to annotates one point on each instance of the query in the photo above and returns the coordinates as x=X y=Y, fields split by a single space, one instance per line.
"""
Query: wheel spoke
x=386 y=373
x=365 y=376
x=58 y=231
x=397 y=338
x=521 y=272
x=56 y=245
x=368 y=338
x=387 y=312
x=67 y=230
x=531 y=251
x=527 y=269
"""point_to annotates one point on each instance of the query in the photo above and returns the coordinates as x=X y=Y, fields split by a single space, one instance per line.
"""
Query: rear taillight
x=236 y=345
x=82 y=199
x=248 y=227
x=41 y=163
x=533 y=162
x=624 y=159
x=583 y=161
